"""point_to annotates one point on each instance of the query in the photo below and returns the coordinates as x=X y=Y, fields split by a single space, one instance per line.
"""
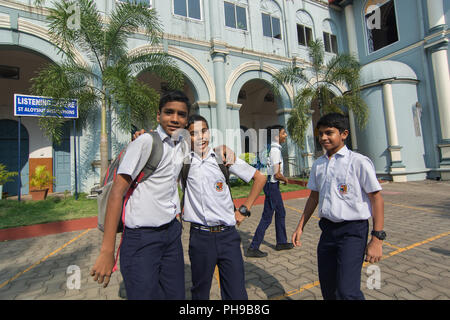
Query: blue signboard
x=35 y=106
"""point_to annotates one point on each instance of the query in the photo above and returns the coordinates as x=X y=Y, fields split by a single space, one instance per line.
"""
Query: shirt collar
x=164 y=136
x=343 y=152
x=275 y=145
x=211 y=153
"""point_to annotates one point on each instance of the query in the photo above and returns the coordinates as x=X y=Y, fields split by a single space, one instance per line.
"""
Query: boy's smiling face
x=173 y=116
x=200 y=135
x=331 y=139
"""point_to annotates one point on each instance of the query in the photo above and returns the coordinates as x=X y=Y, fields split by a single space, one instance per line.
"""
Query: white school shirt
x=275 y=157
x=343 y=182
x=208 y=199
x=155 y=201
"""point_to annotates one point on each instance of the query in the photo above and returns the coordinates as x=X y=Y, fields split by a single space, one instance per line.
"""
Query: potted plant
x=40 y=181
x=5 y=176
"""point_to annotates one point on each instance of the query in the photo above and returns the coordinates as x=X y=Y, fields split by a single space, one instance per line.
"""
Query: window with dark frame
x=271 y=26
x=304 y=35
x=187 y=8
x=330 y=43
x=387 y=33
x=235 y=16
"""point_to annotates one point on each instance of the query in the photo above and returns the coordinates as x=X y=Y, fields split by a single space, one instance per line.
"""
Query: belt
x=162 y=227
x=210 y=229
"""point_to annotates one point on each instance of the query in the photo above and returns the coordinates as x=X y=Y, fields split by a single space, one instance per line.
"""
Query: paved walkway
x=415 y=264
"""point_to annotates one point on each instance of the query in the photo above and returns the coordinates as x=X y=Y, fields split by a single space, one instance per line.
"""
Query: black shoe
x=284 y=246
x=255 y=253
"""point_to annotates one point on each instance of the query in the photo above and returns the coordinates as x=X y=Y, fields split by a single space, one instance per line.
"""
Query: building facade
x=228 y=51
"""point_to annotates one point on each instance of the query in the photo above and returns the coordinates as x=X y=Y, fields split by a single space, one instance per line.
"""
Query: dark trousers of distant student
x=340 y=256
x=208 y=249
x=152 y=263
x=272 y=203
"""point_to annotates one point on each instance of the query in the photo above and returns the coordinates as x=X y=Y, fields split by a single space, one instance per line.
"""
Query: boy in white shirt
x=344 y=185
x=273 y=202
x=209 y=207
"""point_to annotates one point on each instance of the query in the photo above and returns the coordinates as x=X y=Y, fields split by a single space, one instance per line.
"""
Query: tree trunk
x=104 y=157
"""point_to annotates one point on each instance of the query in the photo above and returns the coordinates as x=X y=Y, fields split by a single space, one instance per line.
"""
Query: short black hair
x=174 y=95
x=334 y=120
x=194 y=118
x=278 y=127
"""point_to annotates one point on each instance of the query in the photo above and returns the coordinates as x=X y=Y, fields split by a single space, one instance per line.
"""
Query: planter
x=39 y=194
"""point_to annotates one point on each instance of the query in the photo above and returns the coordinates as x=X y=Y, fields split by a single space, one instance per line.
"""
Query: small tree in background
x=109 y=81
x=341 y=70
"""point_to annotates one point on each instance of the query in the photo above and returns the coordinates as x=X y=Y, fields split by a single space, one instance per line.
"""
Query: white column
x=439 y=61
x=435 y=13
x=396 y=168
x=351 y=30
x=353 y=48
x=390 y=115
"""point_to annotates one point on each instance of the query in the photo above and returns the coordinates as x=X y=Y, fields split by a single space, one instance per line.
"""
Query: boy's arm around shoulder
x=102 y=269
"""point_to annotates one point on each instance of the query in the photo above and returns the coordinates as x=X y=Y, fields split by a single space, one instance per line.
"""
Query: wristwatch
x=244 y=211
x=379 y=234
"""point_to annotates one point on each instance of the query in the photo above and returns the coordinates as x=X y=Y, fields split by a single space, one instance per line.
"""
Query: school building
x=228 y=51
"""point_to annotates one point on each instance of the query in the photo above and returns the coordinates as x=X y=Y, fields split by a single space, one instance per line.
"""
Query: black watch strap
x=379 y=234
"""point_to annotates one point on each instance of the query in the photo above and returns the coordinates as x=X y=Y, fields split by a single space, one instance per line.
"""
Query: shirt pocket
x=348 y=191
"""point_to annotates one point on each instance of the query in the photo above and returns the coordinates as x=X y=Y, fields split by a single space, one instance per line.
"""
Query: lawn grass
x=24 y=213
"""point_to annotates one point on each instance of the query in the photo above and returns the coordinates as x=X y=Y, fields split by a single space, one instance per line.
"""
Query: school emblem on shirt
x=342 y=188
x=219 y=186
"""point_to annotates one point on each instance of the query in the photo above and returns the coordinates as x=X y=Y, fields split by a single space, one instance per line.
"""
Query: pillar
x=391 y=125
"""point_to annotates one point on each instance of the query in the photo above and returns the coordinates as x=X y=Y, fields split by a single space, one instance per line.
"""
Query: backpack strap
x=155 y=157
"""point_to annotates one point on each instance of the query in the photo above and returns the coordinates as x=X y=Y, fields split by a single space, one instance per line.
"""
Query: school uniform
x=273 y=201
x=151 y=254
x=214 y=240
x=343 y=182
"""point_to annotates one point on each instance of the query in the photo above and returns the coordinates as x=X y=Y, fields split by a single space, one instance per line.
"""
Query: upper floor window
x=235 y=16
x=381 y=24
x=187 y=8
x=271 y=26
x=304 y=35
x=271 y=22
x=305 y=27
x=330 y=43
x=147 y=3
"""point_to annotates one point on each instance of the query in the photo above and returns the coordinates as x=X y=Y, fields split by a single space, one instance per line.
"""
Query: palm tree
x=109 y=81
x=341 y=70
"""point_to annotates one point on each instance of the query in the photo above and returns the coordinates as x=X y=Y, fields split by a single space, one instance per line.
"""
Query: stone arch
x=191 y=68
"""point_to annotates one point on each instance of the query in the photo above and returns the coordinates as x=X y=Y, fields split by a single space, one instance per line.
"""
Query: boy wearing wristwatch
x=209 y=208
x=344 y=185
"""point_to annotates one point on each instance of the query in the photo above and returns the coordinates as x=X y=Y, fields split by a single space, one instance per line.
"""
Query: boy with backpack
x=344 y=185
x=209 y=207
x=273 y=201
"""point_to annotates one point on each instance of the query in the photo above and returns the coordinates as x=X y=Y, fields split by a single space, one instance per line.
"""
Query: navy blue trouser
x=272 y=203
x=340 y=256
x=208 y=249
x=152 y=263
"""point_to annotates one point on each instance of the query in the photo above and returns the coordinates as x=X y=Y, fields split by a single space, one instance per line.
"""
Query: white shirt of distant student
x=343 y=182
x=208 y=200
x=275 y=157
x=155 y=201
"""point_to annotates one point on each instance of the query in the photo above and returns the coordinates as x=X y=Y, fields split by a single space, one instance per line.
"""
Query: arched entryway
x=9 y=154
